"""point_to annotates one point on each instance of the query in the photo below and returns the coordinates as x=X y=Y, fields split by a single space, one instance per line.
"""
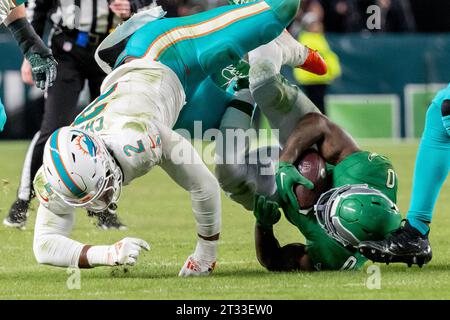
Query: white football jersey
x=137 y=99
x=134 y=97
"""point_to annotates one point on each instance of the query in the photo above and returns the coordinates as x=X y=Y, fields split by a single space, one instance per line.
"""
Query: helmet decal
x=86 y=145
x=66 y=179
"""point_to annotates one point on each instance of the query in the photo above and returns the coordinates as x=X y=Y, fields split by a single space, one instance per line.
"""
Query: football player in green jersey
x=361 y=204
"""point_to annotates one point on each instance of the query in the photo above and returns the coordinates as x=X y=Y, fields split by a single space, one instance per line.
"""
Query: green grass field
x=156 y=210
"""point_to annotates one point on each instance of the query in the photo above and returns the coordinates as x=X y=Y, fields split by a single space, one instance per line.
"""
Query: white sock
x=206 y=250
x=294 y=53
x=270 y=52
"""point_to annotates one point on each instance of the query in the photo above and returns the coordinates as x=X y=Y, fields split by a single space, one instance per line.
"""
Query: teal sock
x=421 y=226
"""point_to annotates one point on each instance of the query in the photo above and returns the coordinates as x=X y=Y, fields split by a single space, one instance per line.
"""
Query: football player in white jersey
x=128 y=130
x=117 y=138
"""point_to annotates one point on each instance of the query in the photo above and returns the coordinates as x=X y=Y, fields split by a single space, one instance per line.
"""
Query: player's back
x=369 y=168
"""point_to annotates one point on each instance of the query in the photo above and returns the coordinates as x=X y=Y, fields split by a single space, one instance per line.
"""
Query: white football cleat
x=196 y=268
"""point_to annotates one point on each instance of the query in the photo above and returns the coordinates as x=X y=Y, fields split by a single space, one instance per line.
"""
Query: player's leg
x=431 y=168
x=295 y=54
x=232 y=31
x=282 y=103
x=2 y=116
x=242 y=173
x=410 y=243
x=206 y=106
x=195 y=177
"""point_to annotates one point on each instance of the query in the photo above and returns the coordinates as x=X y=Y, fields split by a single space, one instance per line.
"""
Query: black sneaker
x=406 y=245
x=18 y=214
x=108 y=219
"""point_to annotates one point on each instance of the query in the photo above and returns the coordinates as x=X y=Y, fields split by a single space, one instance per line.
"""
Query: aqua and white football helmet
x=80 y=169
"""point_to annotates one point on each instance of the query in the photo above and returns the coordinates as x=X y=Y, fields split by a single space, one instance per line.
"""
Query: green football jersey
x=324 y=252
x=359 y=168
x=367 y=168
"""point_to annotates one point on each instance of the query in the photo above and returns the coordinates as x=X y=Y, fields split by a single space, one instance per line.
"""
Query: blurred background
x=386 y=58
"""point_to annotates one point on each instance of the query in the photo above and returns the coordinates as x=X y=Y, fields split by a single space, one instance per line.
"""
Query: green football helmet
x=354 y=213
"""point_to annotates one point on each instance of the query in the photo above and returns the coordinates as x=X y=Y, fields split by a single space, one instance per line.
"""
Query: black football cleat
x=405 y=244
x=18 y=214
x=108 y=219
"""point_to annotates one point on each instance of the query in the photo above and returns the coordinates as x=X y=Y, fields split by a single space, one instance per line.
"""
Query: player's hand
x=25 y=71
x=267 y=213
x=121 y=8
x=126 y=251
x=43 y=70
x=196 y=268
x=287 y=176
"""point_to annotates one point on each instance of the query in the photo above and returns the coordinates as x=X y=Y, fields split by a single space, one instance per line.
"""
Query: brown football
x=312 y=166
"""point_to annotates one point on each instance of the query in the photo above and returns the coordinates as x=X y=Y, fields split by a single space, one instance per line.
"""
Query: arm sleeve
x=183 y=164
x=52 y=244
x=54 y=222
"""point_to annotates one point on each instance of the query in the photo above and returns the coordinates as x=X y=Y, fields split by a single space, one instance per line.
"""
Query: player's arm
x=268 y=250
x=183 y=164
x=52 y=243
x=273 y=257
x=313 y=129
x=35 y=51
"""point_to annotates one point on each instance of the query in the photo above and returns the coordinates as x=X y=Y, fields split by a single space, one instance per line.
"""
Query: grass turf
x=155 y=209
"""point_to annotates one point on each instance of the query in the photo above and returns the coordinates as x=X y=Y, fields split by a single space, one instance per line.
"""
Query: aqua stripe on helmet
x=61 y=169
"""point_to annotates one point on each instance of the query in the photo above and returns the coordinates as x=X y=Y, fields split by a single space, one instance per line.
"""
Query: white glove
x=126 y=251
x=194 y=267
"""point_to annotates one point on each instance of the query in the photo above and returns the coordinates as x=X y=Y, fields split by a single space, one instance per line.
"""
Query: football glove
x=43 y=65
x=286 y=177
x=196 y=268
x=239 y=1
x=43 y=70
x=267 y=213
x=126 y=251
